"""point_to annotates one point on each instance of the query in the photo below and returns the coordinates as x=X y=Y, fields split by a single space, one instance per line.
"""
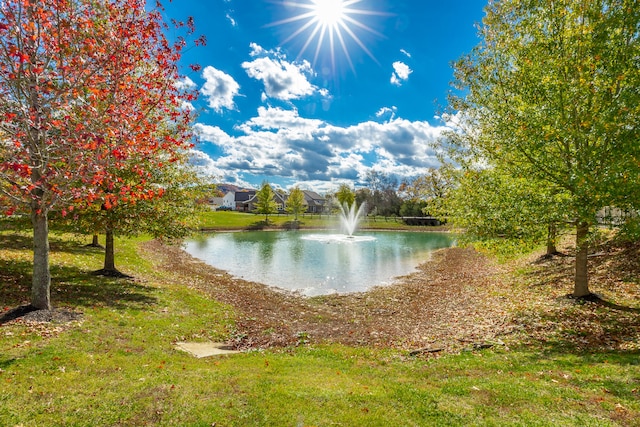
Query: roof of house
x=313 y=198
x=312 y=195
x=244 y=195
x=277 y=197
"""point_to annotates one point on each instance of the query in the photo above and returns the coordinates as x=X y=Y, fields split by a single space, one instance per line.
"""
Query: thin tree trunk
x=551 y=239
x=41 y=281
x=94 y=242
x=109 y=254
x=109 y=268
x=581 y=286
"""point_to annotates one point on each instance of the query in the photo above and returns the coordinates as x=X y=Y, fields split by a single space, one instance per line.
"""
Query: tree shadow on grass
x=609 y=264
x=71 y=287
x=16 y=241
x=606 y=321
x=598 y=300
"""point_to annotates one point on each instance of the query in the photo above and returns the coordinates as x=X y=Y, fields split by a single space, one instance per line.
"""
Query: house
x=229 y=200
x=241 y=200
x=315 y=202
x=615 y=217
x=215 y=202
x=277 y=197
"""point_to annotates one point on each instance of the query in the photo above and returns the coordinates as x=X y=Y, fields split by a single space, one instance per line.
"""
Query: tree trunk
x=41 y=281
x=581 y=286
x=94 y=241
x=109 y=268
x=551 y=239
x=109 y=254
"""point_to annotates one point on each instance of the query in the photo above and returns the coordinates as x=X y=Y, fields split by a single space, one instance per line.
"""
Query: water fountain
x=349 y=220
x=319 y=263
x=350 y=217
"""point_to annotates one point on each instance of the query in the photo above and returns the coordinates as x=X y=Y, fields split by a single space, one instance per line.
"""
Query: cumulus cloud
x=185 y=84
x=211 y=134
x=279 y=142
x=186 y=105
x=282 y=79
x=208 y=167
x=219 y=89
x=387 y=112
x=279 y=118
x=400 y=73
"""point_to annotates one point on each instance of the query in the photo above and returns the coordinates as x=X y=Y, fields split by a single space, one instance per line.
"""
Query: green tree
x=384 y=199
x=551 y=93
x=413 y=207
x=492 y=206
x=265 y=202
x=345 y=195
x=296 y=202
x=169 y=209
x=433 y=184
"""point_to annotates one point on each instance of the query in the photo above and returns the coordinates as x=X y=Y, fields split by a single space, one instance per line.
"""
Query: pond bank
x=445 y=303
x=457 y=300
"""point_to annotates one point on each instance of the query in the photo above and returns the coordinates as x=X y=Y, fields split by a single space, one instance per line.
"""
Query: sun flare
x=329 y=24
x=329 y=12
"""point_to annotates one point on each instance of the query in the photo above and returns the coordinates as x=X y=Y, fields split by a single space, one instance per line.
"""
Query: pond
x=314 y=263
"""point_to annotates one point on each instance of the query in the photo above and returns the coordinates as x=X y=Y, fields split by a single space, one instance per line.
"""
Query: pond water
x=315 y=263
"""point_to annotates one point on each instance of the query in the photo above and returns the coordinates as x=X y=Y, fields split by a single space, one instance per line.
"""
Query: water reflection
x=292 y=260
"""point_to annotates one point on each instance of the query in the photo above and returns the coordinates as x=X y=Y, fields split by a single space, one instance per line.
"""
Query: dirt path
x=445 y=305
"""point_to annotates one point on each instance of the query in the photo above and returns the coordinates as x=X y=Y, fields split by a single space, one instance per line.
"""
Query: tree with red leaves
x=86 y=86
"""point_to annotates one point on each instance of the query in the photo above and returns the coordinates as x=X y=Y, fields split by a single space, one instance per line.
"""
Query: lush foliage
x=552 y=96
x=380 y=194
x=265 y=201
x=171 y=214
x=345 y=195
x=434 y=184
x=414 y=207
x=296 y=202
x=491 y=205
x=86 y=88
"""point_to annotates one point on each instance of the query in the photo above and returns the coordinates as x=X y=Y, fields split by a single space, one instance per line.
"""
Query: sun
x=329 y=13
x=330 y=25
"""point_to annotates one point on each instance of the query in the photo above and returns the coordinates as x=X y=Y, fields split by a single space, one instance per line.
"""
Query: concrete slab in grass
x=205 y=349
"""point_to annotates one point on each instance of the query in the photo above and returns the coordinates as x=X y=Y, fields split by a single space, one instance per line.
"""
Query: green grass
x=231 y=220
x=118 y=366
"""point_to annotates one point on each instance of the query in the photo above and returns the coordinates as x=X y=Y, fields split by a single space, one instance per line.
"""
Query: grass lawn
x=118 y=366
x=231 y=220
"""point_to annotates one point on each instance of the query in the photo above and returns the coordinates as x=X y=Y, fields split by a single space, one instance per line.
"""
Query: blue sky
x=278 y=103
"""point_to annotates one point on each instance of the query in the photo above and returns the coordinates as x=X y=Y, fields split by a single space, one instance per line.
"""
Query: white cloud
x=407 y=54
x=282 y=79
x=231 y=20
x=256 y=50
x=400 y=73
x=280 y=143
x=208 y=167
x=185 y=84
x=211 y=134
x=280 y=119
x=389 y=112
x=219 y=89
